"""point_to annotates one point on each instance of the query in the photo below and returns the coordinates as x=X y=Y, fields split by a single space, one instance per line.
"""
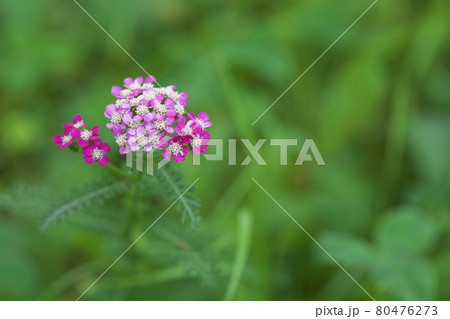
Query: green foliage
x=83 y=198
x=396 y=258
x=173 y=184
x=21 y=278
x=406 y=232
x=197 y=260
x=245 y=221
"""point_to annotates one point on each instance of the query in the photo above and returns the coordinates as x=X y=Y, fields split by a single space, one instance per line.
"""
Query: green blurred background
x=376 y=105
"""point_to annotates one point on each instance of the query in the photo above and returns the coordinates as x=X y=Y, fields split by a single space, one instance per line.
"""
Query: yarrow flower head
x=96 y=152
x=92 y=147
x=177 y=148
x=86 y=136
x=200 y=120
x=145 y=117
x=67 y=139
x=77 y=123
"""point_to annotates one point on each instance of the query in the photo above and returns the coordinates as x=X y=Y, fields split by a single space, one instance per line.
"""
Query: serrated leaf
x=173 y=184
x=347 y=250
x=406 y=231
x=88 y=196
x=406 y=279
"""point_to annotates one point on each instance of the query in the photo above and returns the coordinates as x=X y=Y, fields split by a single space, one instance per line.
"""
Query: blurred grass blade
x=245 y=223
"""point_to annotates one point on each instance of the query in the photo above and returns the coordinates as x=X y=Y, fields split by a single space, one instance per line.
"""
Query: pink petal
x=185 y=149
x=83 y=143
x=89 y=159
x=171 y=113
x=167 y=154
x=110 y=108
x=178 y=158
x=116 y=130
x=116 y=91
x=197 y=130
x=134 y=148
x=148 y=117
x=77 y=118
x=169 y=102
x=57 y=139
x=150 y=79
x=192 y=116
x=97 y=143
x=124 y=150
x=105 y=148
x=170 y=120
x=103 y=161
x=128 y=81
x=87 y=150
x=162 y=144
x=75 y=133
x=169 y=129
x=205 y=135
x=184 y=95
x=183 y=100
x=181 y=121
x=127 y=118
x=203 y=116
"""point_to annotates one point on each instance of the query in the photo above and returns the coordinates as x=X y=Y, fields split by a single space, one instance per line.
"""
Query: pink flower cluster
x=145 y=117
x=93 y=148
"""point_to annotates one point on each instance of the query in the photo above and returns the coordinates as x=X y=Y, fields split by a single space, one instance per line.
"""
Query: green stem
x=117 y=170
x=128 y=203
x=132 y=207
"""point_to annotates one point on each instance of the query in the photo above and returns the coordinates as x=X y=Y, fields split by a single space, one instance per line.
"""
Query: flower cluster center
x=125 y=93
x=161 y=109
x=97 y=154
x=121 y=140
x=78 y=124
x=196 y=142
x=134 y=102
x=187 y=130
x=154 y=140
x=134 y=86
x=142 y=141
x=173 y=95
x=175 y=148
x=134 y=124
x=142 y=110
x=86 y=135
x=116 y=118
x=178 y=108
x=66 y=139
x=159 y=125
